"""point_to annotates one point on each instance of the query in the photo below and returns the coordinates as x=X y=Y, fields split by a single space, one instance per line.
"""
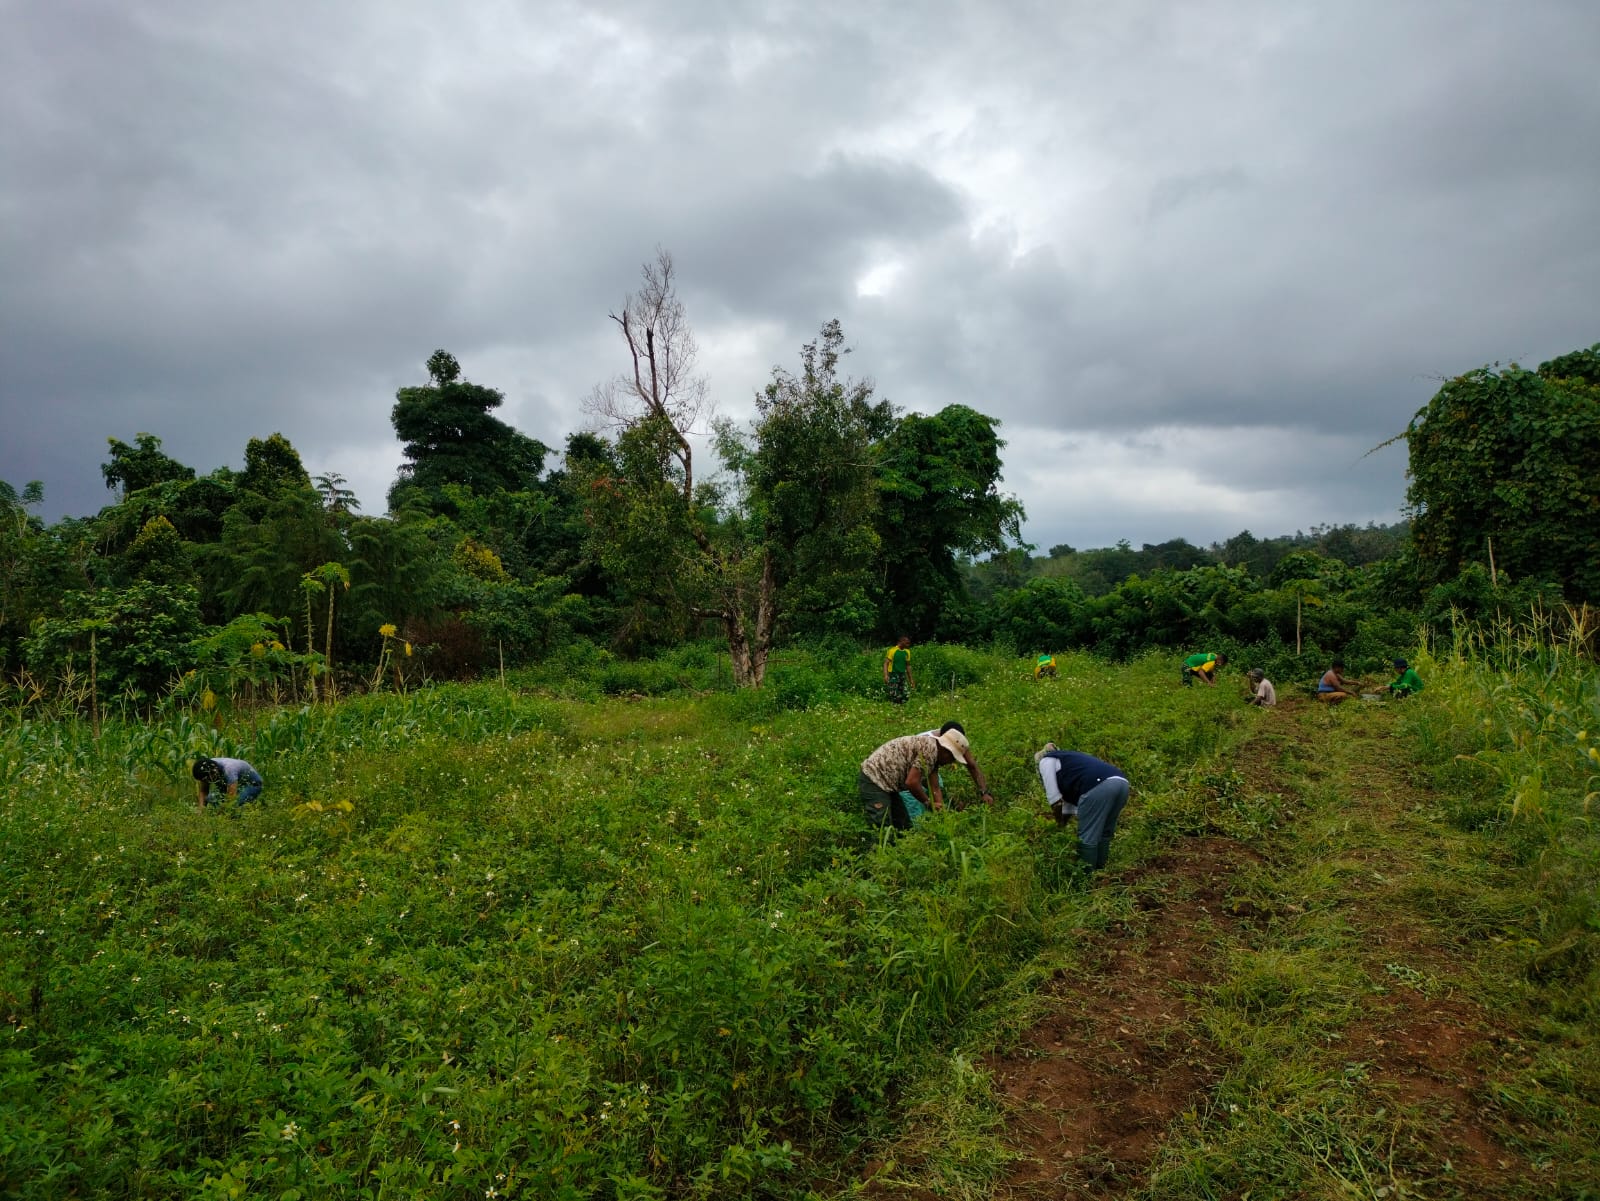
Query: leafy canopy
x=1508 y=460
x=450 y=436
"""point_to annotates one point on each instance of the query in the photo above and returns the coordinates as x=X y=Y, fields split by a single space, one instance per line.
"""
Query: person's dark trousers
x=882 y=807
x=1098 y=811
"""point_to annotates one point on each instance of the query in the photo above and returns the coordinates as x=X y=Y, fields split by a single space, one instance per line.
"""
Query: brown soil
x=1094 y=1088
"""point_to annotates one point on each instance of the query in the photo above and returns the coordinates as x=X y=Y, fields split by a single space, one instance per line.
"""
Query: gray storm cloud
x=1196 y=258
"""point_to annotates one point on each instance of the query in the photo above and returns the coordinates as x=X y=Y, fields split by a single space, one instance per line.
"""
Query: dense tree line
x=829 y=515
x=806 y=524
x=1503 y=513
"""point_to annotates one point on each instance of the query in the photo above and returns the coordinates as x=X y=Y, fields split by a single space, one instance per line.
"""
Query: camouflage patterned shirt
x=888 y=766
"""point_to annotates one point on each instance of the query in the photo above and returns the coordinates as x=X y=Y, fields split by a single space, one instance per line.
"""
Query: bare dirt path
x=1123 y=1072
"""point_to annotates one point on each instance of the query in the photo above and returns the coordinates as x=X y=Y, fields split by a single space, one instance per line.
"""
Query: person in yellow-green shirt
x=1045 y=666
x=1204 y=665
x=897 y=681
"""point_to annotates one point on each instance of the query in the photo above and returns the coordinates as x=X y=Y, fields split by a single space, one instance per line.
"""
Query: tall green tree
x=257 y=564
x=1505 y=465
x=941 y=498
x=142 y=465
x=450 y=436
x=787 y=530
x=37 y=565
x=797 y=540
x=272 y=467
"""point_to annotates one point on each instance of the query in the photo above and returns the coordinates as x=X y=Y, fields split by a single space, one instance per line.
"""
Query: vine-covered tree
x=1505 y=466
x=789 y=530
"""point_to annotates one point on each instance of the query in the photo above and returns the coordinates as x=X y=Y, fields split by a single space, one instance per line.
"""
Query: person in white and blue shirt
x=1090 y=789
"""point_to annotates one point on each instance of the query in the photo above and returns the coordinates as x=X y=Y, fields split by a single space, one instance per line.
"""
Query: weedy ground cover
x=1362 y=966
x=476 y=942
x=1391 y=981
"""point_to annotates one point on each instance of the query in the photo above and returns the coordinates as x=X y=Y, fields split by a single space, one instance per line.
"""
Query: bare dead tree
x=662 y=386
x=662 y=383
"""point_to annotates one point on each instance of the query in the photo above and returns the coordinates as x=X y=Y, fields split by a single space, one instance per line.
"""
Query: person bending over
x=911 y=764
x=234 y=776
x=1203 y=666
x=915 y=807
x=1408 y=683
x=1091 y=789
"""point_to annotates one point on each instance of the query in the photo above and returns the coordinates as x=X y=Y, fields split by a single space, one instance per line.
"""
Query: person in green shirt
x=1408 y=682
x=897 y=680
x=1044 y=666
x=1204 y=665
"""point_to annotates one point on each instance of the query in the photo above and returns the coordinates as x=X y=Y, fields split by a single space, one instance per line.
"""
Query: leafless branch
x=661 y=382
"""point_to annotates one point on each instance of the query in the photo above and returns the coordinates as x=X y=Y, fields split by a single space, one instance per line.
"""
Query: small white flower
x=289 y=1132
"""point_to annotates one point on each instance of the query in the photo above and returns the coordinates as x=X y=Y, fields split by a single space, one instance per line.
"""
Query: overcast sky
x=1197 y=257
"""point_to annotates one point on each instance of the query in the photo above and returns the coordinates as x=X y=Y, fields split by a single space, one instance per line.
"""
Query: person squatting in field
x=1408 y=682
x=1261 y=690
x=1334 y=688
x=235 y=776
x=1044 y=666
x=1203 y=665
x=915 y=808
x=1091 y=789
x=897 y=681
x=910 y=764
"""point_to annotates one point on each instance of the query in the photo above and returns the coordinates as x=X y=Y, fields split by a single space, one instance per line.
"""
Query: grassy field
x=489 y=942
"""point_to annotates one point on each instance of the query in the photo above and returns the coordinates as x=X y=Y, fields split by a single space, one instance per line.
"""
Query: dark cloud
x=1197 y=258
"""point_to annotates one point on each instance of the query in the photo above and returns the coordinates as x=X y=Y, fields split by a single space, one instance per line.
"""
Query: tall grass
x=473 y=939
x=1509 y=726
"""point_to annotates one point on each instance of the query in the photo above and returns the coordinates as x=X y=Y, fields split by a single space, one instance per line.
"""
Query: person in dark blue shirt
x=1090 y=789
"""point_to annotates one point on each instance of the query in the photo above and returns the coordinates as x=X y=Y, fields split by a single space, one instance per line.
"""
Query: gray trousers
x=1099 y=808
